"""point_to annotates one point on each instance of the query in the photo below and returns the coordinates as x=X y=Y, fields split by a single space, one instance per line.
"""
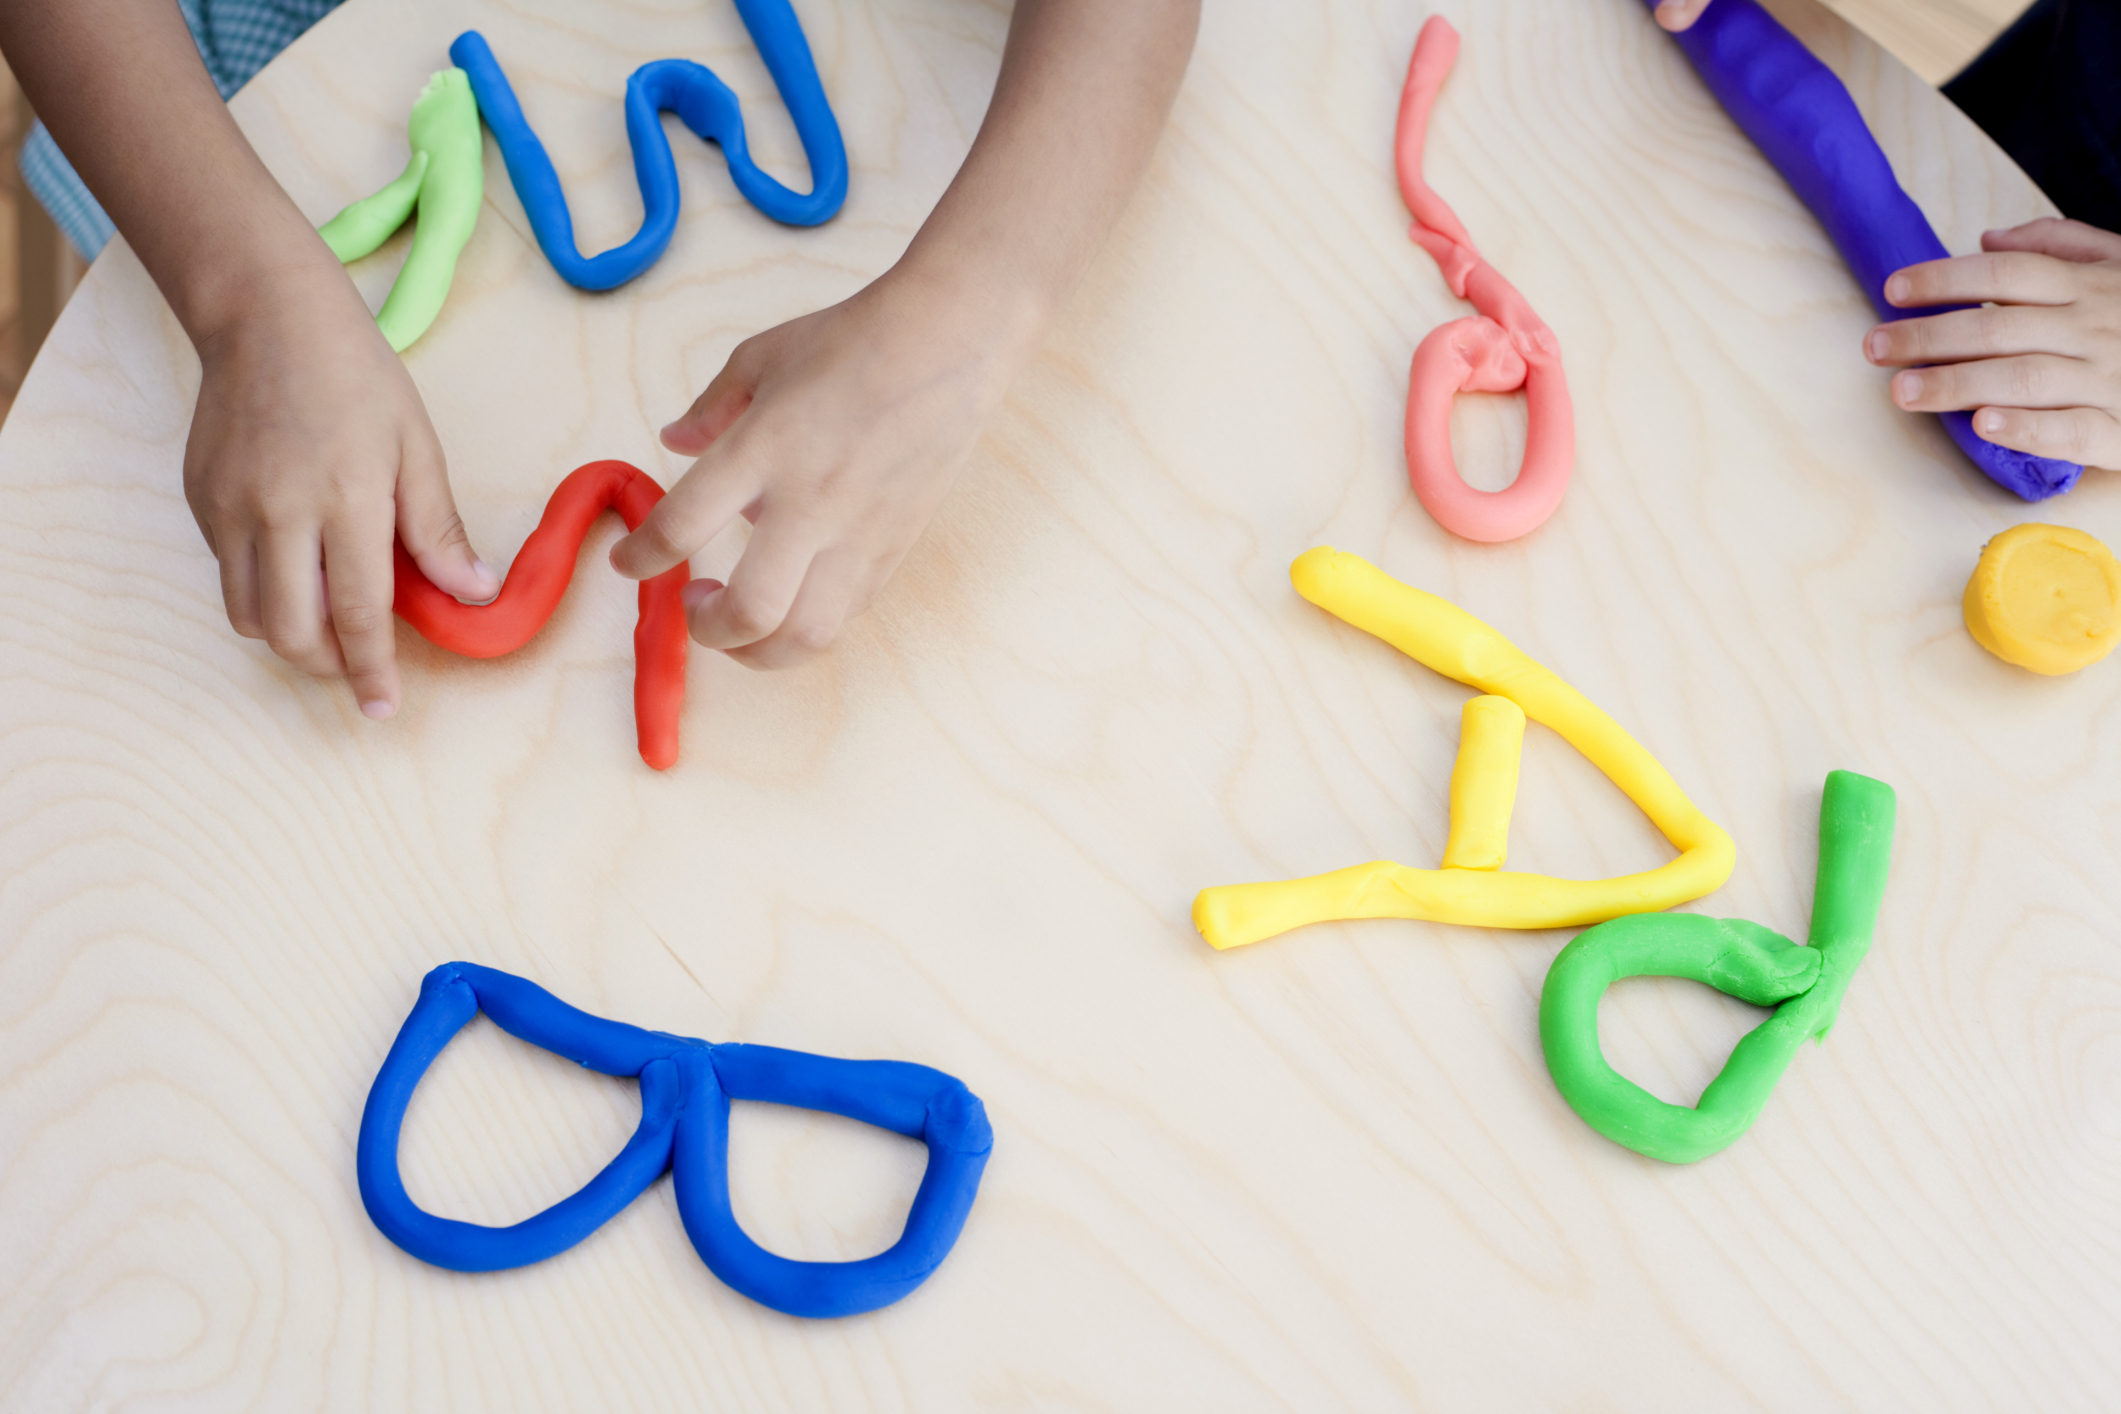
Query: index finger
x=359 y=583
x=1995 y=277
x=708 y=497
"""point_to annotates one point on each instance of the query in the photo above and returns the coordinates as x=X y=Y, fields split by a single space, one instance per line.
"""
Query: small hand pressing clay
x=704 y=104
x=1805 y=985
x=1472 y=886
x=686 y=1087
x=1804 y=122
x=445 y=182
x=538 y=579
x=1505 y=348
x=2045 y=597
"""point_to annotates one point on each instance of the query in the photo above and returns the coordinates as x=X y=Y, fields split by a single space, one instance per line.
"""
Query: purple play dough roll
x=1803 y=119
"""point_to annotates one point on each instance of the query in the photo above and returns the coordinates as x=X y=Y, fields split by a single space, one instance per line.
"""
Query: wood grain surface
x=1326 y=1172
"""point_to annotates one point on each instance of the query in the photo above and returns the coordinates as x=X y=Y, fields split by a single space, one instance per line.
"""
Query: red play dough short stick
x=538 y=579
x=1506 y=347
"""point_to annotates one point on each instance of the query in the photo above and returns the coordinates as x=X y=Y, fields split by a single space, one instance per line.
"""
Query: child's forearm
x=1084 y=89
x=121 y=86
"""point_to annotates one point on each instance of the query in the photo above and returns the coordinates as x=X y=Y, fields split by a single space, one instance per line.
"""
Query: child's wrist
x=987 y=306
x=269 y=267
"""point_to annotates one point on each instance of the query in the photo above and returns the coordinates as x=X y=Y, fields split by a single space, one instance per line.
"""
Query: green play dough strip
x=446 y=181
x=1804 y=985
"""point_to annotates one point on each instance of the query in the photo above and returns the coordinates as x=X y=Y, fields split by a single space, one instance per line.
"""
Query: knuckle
x=448 y=533
x=664 y=537
x=813 y=636
x=299 y=649
x=360 y=619
x=2069 y=433
x=747 y=615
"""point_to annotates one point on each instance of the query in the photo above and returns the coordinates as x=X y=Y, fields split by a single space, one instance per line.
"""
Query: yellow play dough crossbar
x=1471 y=887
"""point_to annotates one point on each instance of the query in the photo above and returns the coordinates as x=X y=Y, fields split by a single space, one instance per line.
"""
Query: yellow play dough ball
x=2045 y=597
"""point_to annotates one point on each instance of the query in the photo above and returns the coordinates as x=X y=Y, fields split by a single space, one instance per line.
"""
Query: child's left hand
x=2040 y=364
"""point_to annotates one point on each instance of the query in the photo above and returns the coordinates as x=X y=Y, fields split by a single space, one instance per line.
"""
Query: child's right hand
x=310 y=449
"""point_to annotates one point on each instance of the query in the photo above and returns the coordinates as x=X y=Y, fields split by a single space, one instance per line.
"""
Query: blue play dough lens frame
x=686 y=1087
x=705 y=105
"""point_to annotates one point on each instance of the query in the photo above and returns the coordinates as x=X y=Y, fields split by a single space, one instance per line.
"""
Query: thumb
x=2064 y=240
x=433 y=532
x=714 y=410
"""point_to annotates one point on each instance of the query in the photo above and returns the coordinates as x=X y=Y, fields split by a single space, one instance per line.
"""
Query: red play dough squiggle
x=1506 y=347
x=538 y=579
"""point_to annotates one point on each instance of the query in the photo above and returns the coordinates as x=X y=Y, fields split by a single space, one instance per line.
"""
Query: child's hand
x=837 y=434
x=2041 y=365
x=309 y=450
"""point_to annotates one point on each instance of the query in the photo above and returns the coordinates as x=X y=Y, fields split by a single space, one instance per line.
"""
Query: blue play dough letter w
x=704 y=104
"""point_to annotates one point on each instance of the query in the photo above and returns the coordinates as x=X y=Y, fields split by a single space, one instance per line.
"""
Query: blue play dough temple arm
x=1802 y=118
x=686 y=1087
x=705 y=105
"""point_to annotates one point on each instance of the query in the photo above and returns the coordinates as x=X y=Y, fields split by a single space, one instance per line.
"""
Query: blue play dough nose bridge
x=705 y=105
x=686 y=1087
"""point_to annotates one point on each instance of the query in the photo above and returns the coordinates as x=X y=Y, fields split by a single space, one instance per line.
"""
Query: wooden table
x=1325 y=1172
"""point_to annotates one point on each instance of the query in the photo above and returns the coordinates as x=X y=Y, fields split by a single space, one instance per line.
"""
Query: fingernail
x=485 y=573
x=1988 y=420
x=1907 y=387
x=1897 y=288
x=696 y=590
x=1876 y=345
x=377 y=710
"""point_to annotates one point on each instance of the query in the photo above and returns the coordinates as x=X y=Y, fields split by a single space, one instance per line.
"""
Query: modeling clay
x=1471 y=888
x=1803 y=119
x=2045 y=597
x=540 y=576
x=1505 y=348
x=1755 y=964
x=446 y=181
x=705 y=105
x=686 y=1087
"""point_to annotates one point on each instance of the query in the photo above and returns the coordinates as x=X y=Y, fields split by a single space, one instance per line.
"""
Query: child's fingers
x=2027 y=381
x=2064 y=240
x=2001 y=277
x=714 y=410
x=239 y=585
x=291 y=603
x=821 y=609
x=1977 y=333
x=433 y=532
x=761 y=589
x=706 y=498
x=359 y=588
x=1676 y=15
x=2085 y=435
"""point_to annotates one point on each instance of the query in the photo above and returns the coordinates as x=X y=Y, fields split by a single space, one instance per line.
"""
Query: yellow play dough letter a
x=1472 y=887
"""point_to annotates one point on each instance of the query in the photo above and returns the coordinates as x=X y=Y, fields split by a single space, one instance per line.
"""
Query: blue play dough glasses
x=705 y=105
x=686 y=1087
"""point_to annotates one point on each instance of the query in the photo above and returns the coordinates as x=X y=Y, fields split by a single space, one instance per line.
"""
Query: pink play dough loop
x=1504 y=348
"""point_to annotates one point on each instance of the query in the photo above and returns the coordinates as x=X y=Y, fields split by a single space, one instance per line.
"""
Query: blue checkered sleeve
x=236 y=39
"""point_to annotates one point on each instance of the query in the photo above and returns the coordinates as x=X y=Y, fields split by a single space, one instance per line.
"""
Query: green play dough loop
x=446 y=181
x=1804 y=985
